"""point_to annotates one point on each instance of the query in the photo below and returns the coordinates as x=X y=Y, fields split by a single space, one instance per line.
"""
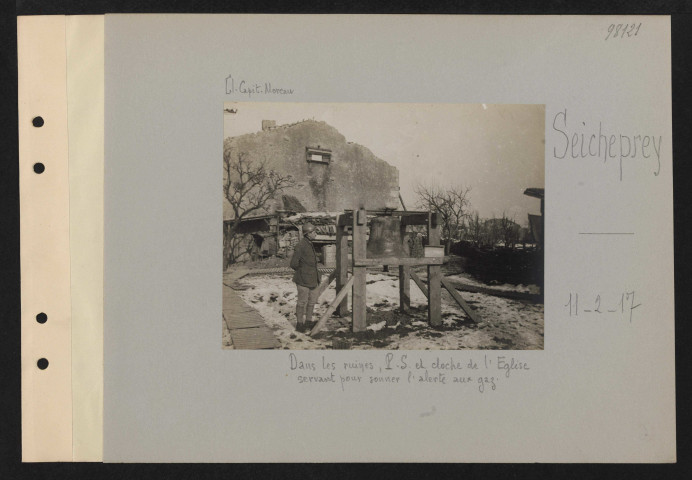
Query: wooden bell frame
x=357 y=219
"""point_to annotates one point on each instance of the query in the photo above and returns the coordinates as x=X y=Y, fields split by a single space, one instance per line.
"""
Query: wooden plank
x=404 y=277
x=421 y=284
x=415 y=219
x=234 y=275
x=464 y=306
x=234 y=305
x=409 y=261
x=234 y=322
x=341 y=265
x=324 y=284
x=407 y=218
x=394 y=213
x=237 y=311
x=253 y=338
x=359 y=272
x=404 y=288
x=332 y=307
x=231 y=299
x=359 y=299
x=419 y=218
x=434 y=296
x=434 y=276
x=345 y=219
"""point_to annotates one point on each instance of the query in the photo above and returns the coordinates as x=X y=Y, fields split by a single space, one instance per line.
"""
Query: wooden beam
x=464 y=306
x=404 y=277
x=409 y=261
x=414 y=218
x=407 y=217
x=359 y=272
x=404 y=288
x=421 y=284
x=345 y=219
x=434 y=296
x=359 y=299
x=341 y=264
x=324 y=284
x=397 y=213
x=332 y=306
x=434 y=276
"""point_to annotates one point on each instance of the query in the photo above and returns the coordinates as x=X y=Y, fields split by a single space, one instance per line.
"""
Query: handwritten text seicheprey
x=248 y=88
x=582 y=140
x=482 y=374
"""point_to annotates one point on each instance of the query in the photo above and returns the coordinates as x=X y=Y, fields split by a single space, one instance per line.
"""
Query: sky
x=496 y=150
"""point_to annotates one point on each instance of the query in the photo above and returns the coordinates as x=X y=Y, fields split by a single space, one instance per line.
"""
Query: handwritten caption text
x=482 y=375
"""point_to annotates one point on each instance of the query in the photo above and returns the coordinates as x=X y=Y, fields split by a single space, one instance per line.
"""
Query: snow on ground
x=506 y=324
x=469 y=280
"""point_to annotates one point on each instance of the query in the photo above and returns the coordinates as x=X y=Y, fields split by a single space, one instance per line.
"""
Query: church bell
x=385 y=238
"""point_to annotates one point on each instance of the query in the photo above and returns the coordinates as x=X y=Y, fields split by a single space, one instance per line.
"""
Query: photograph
x=388 y=226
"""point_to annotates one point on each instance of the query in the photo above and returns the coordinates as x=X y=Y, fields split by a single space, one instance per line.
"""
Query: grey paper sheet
x=600 y=391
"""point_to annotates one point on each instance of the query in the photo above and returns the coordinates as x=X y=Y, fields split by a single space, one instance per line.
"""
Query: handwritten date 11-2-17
x=622 y=304
x=623 y=30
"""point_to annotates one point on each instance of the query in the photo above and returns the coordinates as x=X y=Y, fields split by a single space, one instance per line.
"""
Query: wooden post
x=341 y=265
x=359 y=273
x=542 y=246
x=274 y=225
x=404 y=280
x=434 y=275
x=274 y=229
x=404 y=288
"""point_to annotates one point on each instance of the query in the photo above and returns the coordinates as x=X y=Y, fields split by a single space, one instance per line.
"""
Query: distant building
x=537 y=222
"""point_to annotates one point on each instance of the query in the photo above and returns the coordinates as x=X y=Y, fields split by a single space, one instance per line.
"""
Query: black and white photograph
x=383 y=226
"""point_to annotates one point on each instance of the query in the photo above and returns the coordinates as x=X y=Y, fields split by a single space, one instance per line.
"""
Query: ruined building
x=330 y=175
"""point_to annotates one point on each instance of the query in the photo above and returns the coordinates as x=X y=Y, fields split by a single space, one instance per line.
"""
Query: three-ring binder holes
x=42 y=363
x=38 y=122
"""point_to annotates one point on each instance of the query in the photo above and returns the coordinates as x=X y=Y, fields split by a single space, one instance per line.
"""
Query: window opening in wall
x=318 y=155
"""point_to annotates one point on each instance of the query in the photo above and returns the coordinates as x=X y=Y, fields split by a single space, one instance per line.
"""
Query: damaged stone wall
x=352 y=174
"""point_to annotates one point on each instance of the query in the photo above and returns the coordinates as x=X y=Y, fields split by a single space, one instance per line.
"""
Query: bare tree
x=509 y=231
x=492 y=231
x=524 y=236
x=450 y=203
x=249 y=186
x=476 y=229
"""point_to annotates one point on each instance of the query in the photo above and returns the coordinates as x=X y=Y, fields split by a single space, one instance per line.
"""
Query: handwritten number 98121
x=623 y=30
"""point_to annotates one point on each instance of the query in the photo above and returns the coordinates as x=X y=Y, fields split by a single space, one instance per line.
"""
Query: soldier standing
x=306 y=278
